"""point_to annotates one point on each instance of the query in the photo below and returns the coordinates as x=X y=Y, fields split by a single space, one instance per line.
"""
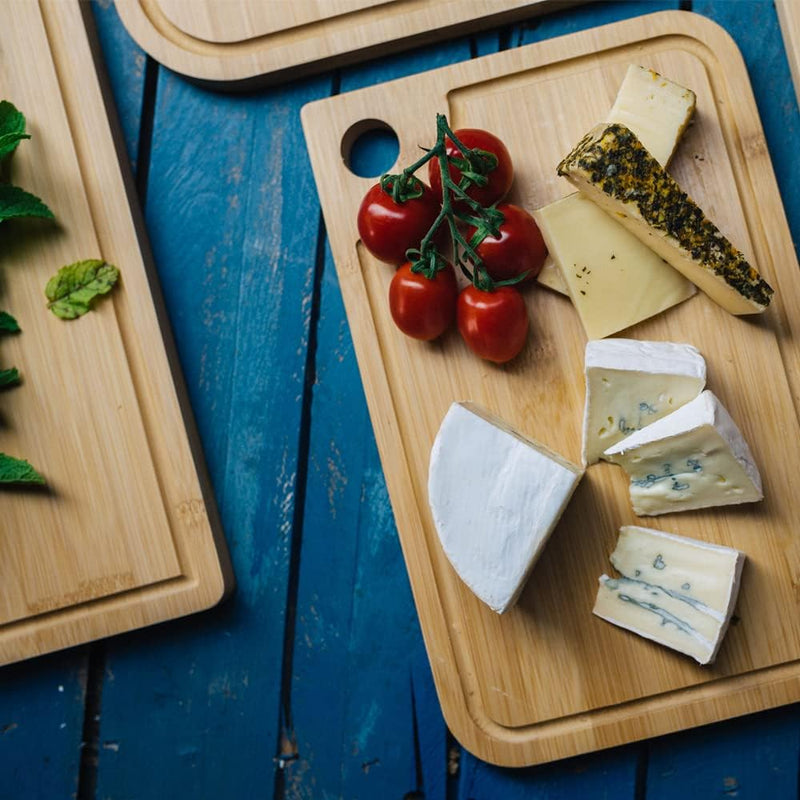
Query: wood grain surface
x=106 y=547
x=548 y=680
x=238 y=43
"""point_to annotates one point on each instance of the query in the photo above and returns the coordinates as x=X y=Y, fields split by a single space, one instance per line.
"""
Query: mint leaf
x=7 y=323
x=12 y=128
x=72 y=289
x=17 y=470
x=16 y=202
x=9 y=377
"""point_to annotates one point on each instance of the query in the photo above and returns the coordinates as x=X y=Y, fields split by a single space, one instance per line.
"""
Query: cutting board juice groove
x=548 y=680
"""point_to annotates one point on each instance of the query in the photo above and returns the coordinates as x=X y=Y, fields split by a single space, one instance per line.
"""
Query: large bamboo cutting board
x=235 y=43
x=548 y=679
x=126 y=533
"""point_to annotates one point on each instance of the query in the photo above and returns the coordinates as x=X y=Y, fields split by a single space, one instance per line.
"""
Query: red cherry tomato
x=388 y=229
x=493 y=324
x=520 y=247
x=500 y=178
x=421 y=307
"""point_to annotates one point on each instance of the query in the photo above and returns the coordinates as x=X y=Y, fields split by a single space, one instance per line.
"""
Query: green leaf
x=12 y=128
x=17 y=470
x=72 y=289
x=7 y=323
x=9 y=377
x=16 y=202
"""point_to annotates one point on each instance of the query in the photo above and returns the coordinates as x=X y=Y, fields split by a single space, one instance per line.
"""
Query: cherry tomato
x=388 y=229
x=421 y=307
x=520 y=247
x=500 y=177
x=493 y=324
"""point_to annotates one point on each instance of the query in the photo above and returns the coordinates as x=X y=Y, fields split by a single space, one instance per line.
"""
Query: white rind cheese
x=676 y=591
x=495 y=497
x=631 y=384
x=695 y=457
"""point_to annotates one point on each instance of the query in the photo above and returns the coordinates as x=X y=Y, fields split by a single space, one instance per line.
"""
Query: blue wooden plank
x=125 y=63
x=41 y=721
x=190 y=709
x=357 y=627
x=751 y=757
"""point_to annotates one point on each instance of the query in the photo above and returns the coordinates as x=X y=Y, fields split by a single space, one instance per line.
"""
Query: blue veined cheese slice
x=676 y=591
x=495 y=497
x=614 y=280
x=631 y=384
x=695 y=457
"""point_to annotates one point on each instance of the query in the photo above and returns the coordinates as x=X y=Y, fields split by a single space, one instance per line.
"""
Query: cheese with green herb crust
x=613 y=279
x=695 y=457
x=613 y=168
x=676 y=591
x=631 y=384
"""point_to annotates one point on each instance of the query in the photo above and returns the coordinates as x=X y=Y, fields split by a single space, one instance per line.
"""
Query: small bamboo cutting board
x=548 y=679
x=239 y=42
x=125 y=534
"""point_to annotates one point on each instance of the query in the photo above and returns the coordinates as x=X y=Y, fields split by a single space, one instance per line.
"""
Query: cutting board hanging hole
x=370 y=148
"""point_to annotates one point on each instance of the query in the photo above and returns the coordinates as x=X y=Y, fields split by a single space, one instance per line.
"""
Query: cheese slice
x=613 y=168
x=631 y=384
x=695 y=457
x=495 y=497
x=658 y=110
x=673 y=590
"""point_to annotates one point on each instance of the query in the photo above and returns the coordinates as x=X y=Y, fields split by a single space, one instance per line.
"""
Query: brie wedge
x=675 y=591
x=614 y=280
x=495 y=497
x=613 y=168
x=631 y=384
x=693 y=458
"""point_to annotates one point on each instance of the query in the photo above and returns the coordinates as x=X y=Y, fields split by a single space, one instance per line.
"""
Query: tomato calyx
x=427 y=260
x=402 y=187
x=475 y=165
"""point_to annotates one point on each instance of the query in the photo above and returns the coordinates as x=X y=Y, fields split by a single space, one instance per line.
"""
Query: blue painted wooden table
x=312 y=680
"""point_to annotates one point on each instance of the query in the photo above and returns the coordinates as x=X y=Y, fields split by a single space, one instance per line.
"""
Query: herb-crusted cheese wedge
x=613 y=279
x=612 y=167
x=694 y=457
x=495 y=497
x=673 y=590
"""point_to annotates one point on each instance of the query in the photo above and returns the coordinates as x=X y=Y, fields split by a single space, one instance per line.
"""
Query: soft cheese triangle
x=673 y=590
x=618 y=281
x=613 y=168
x=631 y=384
x=695 y=457
x=495 y=497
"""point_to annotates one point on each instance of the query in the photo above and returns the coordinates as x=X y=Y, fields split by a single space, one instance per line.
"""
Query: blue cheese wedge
x=695 y=457
x=672 y=590
x=614 y=169
x=613 y=279
x=495 y=497
x=631 y=384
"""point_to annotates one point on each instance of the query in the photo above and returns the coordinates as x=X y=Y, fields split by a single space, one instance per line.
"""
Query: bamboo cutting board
x=126 y=533
x=236 y=43
x=548 y=679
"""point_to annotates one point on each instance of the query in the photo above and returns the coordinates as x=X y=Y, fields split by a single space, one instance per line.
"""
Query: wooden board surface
x=125 y=534
x=238 y=43
x=789 y=17
x=548 y=680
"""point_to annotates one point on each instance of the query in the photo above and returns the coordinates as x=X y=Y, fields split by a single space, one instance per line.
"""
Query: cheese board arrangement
x=119 y=529
x=547 y=678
